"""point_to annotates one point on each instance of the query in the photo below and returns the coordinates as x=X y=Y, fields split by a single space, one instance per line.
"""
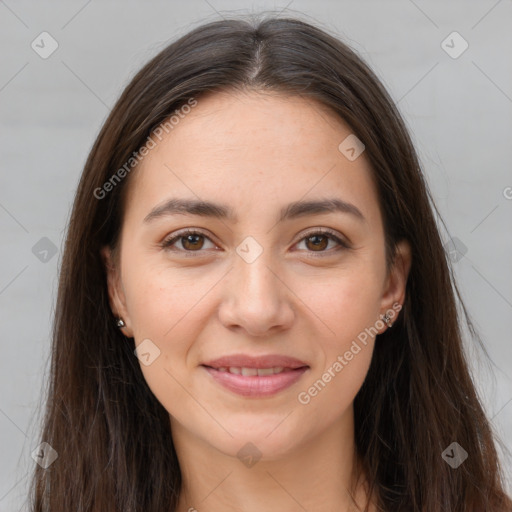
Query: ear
x=394 y=289
x=115 y=291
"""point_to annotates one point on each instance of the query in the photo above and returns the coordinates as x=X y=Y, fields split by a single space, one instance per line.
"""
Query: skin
x=256 y=152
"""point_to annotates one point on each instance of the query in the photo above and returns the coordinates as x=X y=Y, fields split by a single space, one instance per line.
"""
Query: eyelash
x=167 y=243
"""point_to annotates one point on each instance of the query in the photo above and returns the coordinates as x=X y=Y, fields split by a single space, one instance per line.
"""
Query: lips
x=258 y=362
x=256 y=376
x=252 y=372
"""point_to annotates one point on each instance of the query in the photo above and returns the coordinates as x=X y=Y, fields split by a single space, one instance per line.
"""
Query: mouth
x=253 y=372
x=256 y=376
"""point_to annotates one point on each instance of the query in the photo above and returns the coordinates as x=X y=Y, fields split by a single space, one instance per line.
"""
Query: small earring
x=387 y=319
x=120 y=323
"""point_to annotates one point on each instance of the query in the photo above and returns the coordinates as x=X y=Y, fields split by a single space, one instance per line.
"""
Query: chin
x=268 y=440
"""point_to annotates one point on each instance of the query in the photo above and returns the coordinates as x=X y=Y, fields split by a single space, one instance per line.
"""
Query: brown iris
x=191 y=241
x=317 y=244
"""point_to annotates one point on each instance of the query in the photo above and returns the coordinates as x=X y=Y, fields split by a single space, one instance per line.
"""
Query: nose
x=256 y=298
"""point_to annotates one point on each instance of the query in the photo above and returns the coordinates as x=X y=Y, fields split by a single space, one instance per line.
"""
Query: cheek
x=346 y=301
x=351 y=309
x=159 y=298
x=330 y=393
x=164 y=309
x=349 y=304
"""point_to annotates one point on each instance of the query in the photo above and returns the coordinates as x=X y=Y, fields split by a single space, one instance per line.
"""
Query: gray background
x=459 y=111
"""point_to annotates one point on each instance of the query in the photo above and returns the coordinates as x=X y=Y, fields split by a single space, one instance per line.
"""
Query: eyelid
x=326 y=231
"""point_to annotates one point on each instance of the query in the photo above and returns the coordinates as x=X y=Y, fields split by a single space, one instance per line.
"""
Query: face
x=285 y=294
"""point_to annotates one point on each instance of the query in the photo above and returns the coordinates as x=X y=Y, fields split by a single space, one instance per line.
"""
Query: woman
x=255 y=310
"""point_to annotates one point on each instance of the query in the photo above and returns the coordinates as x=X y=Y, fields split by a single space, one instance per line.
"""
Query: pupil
x=192 y=239
x=316 y=243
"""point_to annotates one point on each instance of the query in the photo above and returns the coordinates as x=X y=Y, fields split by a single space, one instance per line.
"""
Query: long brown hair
x=418 y=396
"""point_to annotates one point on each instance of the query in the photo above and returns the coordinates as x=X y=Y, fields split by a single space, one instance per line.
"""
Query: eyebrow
x=294 y=210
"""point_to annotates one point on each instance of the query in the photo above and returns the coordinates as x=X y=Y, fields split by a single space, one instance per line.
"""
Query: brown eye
x=194 y=241
x=191 y=241
x=317 y=242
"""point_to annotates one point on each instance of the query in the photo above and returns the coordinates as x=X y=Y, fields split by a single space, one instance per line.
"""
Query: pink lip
x=245 y=361
x=256 y=386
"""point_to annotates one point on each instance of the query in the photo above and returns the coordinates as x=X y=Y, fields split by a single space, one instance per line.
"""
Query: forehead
x=252 y=150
